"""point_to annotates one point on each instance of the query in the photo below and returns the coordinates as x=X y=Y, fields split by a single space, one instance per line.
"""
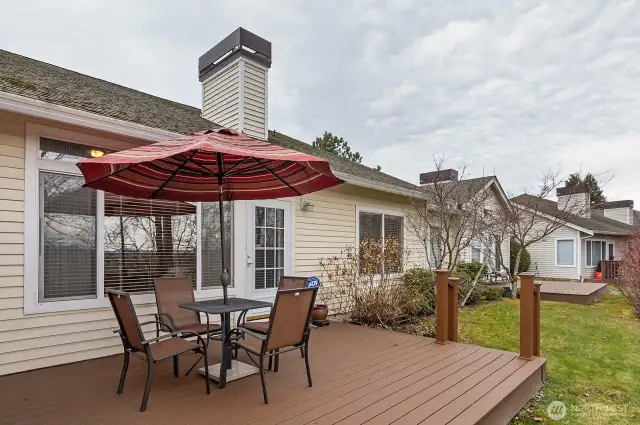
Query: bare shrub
x=630 y=271
x=364 y=284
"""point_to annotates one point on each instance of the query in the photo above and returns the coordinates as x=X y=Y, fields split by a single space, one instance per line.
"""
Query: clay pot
x=319 y=312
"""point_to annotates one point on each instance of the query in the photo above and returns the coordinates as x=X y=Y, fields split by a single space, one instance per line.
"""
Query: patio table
x=233 y=369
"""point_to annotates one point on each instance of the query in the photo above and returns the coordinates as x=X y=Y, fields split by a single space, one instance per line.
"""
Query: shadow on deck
x=360 y=375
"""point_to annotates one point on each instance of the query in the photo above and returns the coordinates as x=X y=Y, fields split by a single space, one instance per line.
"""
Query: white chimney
x=234 y=83
x=575 y=200
x=619 y=210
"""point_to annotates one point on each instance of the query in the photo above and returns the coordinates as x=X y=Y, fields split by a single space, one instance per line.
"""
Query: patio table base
x=238 y=370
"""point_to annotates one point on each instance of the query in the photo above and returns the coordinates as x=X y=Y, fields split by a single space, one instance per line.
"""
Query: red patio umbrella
x=211 y=165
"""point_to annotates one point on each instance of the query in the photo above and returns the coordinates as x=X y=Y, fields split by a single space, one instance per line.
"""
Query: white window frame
x=33 y=166
x=556 y=252
x=604 y=253
x=384 y=212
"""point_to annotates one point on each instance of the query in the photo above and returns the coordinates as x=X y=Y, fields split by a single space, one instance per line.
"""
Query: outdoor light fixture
x=95 y=153
x=306 y=205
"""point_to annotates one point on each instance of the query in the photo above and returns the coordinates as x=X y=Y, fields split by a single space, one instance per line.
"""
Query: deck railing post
x=526 y=316
x=452 y=326
x=442 y=315
x=537 y=287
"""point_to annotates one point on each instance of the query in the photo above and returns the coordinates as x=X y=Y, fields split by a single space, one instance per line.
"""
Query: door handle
x=249 y=260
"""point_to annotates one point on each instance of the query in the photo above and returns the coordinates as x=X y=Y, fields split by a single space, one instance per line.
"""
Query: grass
x=593 y=357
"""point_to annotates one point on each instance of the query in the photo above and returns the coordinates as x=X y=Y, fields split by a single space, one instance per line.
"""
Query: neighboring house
x=588 y=235
x=484 y=193
x=62 y=245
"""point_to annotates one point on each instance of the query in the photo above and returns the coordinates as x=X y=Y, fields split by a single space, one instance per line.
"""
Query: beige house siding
x=255 y=98
x=331 y=226
x=221 y=96
x=543 y=256
x=39 y=340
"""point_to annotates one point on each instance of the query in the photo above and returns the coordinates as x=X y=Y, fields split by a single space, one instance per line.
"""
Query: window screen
x=67 y=238
x=565 y=254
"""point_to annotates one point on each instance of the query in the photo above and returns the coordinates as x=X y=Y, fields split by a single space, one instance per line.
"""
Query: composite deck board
x=360 y=375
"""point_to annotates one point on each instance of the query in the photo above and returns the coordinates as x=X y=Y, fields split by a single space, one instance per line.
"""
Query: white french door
x=268 y=247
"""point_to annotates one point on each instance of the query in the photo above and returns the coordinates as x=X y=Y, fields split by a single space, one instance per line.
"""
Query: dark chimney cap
x=572 y=190
x=239 y=42
x=628 y=203
x=438 y=176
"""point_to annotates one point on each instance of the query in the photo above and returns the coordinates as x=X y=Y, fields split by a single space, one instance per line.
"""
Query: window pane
x=211 y=262
x=565 y=252
x=58 y=150
x=393 y=234
x=596 y=253
x=589 y=253
x=147 y=239
x=67 y=237
x=370 y=226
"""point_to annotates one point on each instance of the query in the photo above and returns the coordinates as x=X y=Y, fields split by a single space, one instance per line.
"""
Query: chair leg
x=123 y=375
x=277 y=362
x=270 y=363
x=194 y=366
x=176 y=366
x=147 y=388
x=301 y=353
x=206 y=368
x=264 y=384
x=306 y=361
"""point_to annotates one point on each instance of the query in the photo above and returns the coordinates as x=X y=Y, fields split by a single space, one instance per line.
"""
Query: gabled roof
x=596 y=223
x=52 y=84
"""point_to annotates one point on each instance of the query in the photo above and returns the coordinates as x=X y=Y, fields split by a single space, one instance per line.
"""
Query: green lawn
x=593 y=357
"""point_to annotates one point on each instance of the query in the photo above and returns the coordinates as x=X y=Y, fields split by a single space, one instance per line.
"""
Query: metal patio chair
x=150 y=350
x=261 y=327
x=170 y=293
x=287 y=331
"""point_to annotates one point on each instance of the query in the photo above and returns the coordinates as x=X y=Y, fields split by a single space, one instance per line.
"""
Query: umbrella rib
x=228 y=173
x=203 y=167
x=173 y=174
x=277 y=176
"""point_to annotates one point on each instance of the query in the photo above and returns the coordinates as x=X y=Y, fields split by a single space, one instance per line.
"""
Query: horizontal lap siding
x=255 y=100
x=543 y=256
x=331 y=227
x=221 y=94
x=38 y=340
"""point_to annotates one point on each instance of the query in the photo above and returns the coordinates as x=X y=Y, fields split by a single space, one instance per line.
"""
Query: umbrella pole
x=224 y=276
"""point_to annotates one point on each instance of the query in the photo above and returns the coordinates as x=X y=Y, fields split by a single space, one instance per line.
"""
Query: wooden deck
x=360 y=376
x=572 y=292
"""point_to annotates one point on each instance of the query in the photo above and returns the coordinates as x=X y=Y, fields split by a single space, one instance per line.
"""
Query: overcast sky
x=521 y=89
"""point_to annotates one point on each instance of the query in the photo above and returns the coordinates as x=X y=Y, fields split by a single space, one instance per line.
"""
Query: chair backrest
x=289 y=317
x=170 y=293
x=127 y=319
x=292 y=282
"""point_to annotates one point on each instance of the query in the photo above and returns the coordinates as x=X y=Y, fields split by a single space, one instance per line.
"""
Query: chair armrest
x=172 y=335
x=171 y=324
x=247 y=332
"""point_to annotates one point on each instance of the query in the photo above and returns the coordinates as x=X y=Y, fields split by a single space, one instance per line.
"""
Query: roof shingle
x=49 y=83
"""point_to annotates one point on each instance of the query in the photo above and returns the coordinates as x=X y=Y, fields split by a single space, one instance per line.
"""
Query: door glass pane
x=269 y=247
x=596 y=253
x=612 y=254
x=67 y=238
